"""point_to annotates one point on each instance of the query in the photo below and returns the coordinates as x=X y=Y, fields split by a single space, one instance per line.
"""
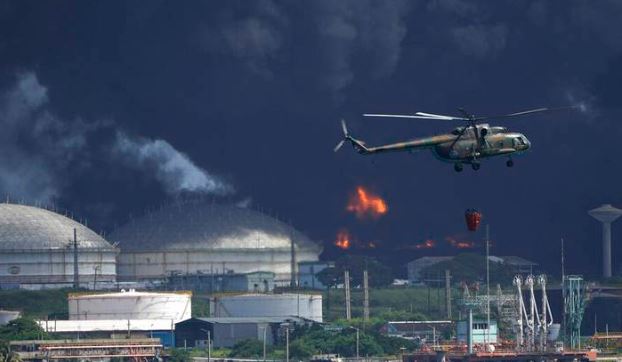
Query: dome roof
x=29 y=227
x=203 y=225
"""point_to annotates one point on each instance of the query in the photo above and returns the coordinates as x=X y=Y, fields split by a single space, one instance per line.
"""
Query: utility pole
x=346 y=284
x=76 y=270
x=365 y=297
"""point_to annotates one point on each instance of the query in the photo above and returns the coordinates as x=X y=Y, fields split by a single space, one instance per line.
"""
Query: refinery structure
x=248 y=268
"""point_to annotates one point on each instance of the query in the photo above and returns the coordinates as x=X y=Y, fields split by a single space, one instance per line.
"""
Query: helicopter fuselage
x=470 y=148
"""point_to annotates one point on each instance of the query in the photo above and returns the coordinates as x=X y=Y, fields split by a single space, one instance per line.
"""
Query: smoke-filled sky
x=110 y=108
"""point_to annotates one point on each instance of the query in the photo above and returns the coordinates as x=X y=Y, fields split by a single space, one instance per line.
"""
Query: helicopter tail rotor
x=359 y=146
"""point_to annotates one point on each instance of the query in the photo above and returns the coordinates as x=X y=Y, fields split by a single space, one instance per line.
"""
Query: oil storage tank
x=37 y=250
x=174 y=306
x=200 y=237
x=307 y=306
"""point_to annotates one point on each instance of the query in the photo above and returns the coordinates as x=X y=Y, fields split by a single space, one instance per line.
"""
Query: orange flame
x=364 y=203
x=460 y=244
x=343 y=240
x=428 y=244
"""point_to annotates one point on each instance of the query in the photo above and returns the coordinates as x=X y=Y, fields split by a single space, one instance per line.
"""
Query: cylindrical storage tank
x=37 y=251
x=175 y=306
x=199 y=237
x=307 y=306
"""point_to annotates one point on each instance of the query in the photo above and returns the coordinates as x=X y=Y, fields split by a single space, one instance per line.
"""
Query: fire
x=343 y=240
x=364 y=203
x=460 y=244
x=428 y=244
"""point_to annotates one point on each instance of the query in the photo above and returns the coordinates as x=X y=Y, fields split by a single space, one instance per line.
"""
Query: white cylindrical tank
x=175 y=306
x=307 y=306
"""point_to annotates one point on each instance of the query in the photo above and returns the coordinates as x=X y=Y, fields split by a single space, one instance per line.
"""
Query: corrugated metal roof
x=106 y=325
x=27 y=227
x=234 y=320
x=203 y=225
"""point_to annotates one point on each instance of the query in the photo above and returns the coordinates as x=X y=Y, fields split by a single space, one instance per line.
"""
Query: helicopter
x=468 y=144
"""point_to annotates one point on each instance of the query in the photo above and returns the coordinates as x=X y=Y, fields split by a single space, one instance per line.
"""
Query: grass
x=413 y=301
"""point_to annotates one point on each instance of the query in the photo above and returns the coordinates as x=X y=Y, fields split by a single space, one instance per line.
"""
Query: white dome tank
x=175 y=306
x=36 y=250
x=307 y=306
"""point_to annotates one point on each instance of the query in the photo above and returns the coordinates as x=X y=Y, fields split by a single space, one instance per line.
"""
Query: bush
x=22 y=329
x=250 y=348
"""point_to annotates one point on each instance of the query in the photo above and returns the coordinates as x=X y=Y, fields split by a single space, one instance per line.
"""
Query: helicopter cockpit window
x=519 y=141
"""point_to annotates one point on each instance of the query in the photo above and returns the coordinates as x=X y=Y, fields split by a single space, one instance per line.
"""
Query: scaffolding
x=575 y=300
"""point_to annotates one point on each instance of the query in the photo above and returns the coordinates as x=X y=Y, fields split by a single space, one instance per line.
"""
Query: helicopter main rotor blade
x=522 y=113
x=417 y=115
x=339 y=145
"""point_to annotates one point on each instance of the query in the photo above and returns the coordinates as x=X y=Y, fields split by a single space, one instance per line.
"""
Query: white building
x=206 y=238
x=37 y=250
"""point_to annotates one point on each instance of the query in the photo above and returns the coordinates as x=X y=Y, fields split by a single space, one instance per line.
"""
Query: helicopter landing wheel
x=509 y=163
x=475 y=166
x=458 y=167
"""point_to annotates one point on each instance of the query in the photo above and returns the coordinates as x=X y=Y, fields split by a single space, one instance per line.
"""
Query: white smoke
x=172 y=168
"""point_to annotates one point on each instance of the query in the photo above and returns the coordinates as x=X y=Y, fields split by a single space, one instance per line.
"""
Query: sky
x=108 y=109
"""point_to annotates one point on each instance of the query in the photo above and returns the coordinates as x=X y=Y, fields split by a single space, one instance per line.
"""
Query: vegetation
x=22 y=329
x=200 y=306
x=472 y=267
x=250 y=348
x=412 y=303
x=379 y=274
x=42 y=304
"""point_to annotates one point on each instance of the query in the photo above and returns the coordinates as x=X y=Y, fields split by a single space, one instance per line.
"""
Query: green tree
x=179 y=355
x=22 y=329
x=250 y=348
x=301 y=349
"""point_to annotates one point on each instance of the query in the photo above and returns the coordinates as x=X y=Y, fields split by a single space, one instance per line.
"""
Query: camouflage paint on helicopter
x=464 y=145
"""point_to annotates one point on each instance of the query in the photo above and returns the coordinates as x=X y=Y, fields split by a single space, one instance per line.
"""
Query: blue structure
x=307 y=274
x=482 y=333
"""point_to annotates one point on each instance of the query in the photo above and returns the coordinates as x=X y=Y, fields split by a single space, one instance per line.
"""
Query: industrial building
x=125 y=314
x=175 y=306
x=257 y=282
x=307 y=306
x=113 y=328
x=37 y=250
x=482 y=332
x=203 y=237
x=225 y=332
